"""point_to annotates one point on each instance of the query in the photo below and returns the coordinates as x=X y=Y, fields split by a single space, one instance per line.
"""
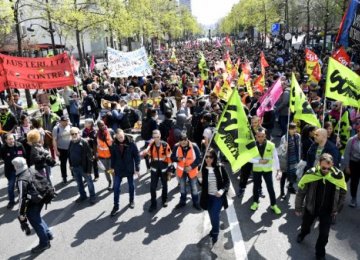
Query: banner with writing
x=125 y=64
x=233 y=134
x=342 y=84
x=35 y=73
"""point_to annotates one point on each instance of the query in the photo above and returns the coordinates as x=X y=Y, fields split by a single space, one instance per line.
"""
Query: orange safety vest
x=162 y=155
x=103 y=148
x=189 y=159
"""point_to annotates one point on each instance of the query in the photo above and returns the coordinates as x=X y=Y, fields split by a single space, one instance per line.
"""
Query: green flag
x=342 y=84
x=345 y=128
x=203 y=67
x=300 y=106
x=233 y=136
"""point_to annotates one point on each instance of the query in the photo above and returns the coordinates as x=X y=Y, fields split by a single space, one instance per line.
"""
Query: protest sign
x=125 y=64
x=35 y=73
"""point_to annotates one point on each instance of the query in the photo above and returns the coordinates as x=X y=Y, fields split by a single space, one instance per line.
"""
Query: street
x=88 y=232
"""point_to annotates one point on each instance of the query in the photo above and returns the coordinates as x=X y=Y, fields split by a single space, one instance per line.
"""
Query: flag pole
x=207 y=148
x=324 y=108
x=339 y=122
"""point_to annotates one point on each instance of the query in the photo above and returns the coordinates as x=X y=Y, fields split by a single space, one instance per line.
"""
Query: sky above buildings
x=209 y=12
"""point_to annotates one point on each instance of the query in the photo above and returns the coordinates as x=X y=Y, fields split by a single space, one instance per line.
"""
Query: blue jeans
x=116 y=187
x=79 y=175
x=11 y=186
x=38 y=223
x=194 y=189
x=214 y=207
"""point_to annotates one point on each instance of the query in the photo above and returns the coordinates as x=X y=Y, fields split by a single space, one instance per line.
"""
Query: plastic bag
x=300 y=169
x=101 y=165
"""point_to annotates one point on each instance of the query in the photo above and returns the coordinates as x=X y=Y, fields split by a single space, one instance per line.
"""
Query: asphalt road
x=88 y=232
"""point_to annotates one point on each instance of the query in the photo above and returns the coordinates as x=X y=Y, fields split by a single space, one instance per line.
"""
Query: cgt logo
x=343 y=86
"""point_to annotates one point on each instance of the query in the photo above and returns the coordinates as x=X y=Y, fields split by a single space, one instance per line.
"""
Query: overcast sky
x=210 y=11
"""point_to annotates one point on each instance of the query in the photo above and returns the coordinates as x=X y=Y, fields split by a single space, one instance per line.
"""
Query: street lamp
x=49 y=30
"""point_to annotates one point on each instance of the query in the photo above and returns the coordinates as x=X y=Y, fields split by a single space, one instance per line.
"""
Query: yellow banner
x=342 y=84
x=234 y=136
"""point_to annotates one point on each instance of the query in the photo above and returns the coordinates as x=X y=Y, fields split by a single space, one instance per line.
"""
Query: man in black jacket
x=324 y=188
x=8 y=152
x=80 y=161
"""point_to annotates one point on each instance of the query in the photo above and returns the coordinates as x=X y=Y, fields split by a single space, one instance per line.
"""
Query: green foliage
x=6 y=18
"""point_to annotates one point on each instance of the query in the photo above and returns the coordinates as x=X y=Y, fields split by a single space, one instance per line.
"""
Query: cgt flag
x=342 y=84
x=204 y=71
x=233 y=136
x=300 y=106
x=345 y=128
x=35 y=73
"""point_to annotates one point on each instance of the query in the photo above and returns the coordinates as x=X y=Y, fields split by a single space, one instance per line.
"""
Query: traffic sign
x=275 y=29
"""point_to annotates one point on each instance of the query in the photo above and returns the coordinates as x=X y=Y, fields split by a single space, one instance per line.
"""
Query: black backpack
x=146 y=133
x=165 y=127
x=40 y=188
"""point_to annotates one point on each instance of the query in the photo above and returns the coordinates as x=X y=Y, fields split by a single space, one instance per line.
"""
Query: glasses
x=74 y=133
x=156 y=137
x=209 y=157
x=325 y=169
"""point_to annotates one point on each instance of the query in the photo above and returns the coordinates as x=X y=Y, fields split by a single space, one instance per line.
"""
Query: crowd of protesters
x=176 y=112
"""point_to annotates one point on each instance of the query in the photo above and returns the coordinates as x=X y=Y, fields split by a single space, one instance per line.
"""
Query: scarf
x=4 y=118
x=316 y=176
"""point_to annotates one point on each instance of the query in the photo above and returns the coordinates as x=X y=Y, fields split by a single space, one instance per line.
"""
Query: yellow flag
x=342 y=84
x=225 y=91
x=300 y=106
x=233 y=136
x=345 y=128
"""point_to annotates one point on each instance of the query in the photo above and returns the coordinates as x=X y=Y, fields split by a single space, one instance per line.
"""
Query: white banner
x=125 y=64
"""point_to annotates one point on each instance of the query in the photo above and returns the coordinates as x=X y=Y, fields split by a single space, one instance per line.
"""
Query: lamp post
x=50 y=30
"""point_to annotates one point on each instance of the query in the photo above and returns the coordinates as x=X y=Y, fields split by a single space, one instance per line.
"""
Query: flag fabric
x=203 y=67
x=173 y=58
x=201 y=87
x=342 y=84
x=74 y=63
x=217 y=43
x=228 y=41
x=219 y=65
x=311 y=60
x=234 y=136
x=217 y=88
x=316 y=73
x=349 y=30
x=225 y=91
x=341 y=56
x=259 y=83
x=92 y=63
x=270 y=98
x=345 y=128
x=300 y=106
x=263 y=62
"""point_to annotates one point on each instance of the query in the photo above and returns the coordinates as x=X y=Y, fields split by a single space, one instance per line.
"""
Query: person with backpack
x=29 y=208
x=10 y=150
x=149 y=124
x=159 y=153
x=166 y=125
x=89 y=105
x=175 y=132
x=80 y=159
x=289 y=157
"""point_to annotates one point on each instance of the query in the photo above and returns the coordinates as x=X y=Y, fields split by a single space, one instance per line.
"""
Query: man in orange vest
x=159 y=154
x=187 y=156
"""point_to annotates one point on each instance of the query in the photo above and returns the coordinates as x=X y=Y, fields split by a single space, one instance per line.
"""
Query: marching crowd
x=180 y=143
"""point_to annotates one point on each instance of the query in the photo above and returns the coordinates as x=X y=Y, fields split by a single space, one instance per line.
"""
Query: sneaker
x=40 y=248
x=95 y=179
x=92 y=201
x=64 y=181
x=261 y=194
x=165 y=204
x=240 y=193
x=180 y=205
x=353 y=203
x=114 y=211
x=152 y=208
x=80 y=199
x=276 y=209
x=10 y=205
x=197 y=206
x=50 y=236
x=131 y=205
x=299 y=238
x=282 y=196
x=254 y=206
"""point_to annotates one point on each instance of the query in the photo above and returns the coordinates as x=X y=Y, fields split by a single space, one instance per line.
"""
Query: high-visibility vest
x=268 y=155
x=160 y=156
x=103 y=148
x=187 y=161
x=57 y=105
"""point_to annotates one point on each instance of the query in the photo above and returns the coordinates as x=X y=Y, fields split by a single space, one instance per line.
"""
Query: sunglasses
x=209 y=157
x=74 y=133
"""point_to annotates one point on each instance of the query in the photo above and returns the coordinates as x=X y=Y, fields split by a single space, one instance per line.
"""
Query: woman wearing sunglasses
x=215 y=184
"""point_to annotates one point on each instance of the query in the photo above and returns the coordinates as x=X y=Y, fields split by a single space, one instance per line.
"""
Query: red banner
x=341 y=56
x=35 y=73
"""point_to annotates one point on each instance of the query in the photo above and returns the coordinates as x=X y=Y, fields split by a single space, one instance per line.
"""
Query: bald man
x=321 y=146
